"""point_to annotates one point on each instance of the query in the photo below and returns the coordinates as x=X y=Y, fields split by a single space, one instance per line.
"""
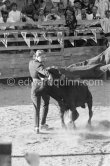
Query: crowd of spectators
x=45 y=10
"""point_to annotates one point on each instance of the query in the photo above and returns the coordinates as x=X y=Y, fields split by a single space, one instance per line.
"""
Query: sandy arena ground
x=17 y=126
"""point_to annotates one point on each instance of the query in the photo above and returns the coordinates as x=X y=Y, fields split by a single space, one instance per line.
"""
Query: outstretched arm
x=43 y=71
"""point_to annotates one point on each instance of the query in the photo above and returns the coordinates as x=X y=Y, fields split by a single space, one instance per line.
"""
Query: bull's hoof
x=74 y=126
x=71 y=126
x=89 y=126
x=64 y=127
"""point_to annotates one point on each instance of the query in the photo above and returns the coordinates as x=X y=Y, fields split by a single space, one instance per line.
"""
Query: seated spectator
x=48 y=7
x=55 y=5
x=70 y=18
x=105 y=22
x=69 y=4
x=32 y=10
x=77 y=9
x=2 y=7
x=94 y=14
x=53 y=15
x=41 y=16
x=102 y=5
x=87 y=5
x=83 y=14
x=6 y=5
x=61 y=9
x=6 y=19
x=107 y=14
x=14 y=13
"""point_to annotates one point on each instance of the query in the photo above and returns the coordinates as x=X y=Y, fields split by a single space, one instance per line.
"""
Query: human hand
x=50 y=79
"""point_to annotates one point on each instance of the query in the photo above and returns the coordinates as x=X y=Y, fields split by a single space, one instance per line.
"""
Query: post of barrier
x=5 y=154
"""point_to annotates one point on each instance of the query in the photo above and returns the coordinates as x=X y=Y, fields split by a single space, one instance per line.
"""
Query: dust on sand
x=17 y=124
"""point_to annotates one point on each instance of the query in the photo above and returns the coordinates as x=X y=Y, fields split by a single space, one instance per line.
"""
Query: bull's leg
x=62 y=118
x=90 y=116
x=73 y=116
x=89 y=103
x=62 y=111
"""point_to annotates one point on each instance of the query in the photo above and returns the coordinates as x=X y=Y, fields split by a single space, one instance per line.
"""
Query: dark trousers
x=37 y=92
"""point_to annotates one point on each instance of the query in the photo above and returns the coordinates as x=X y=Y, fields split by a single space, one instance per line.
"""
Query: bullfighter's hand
x=50 y=79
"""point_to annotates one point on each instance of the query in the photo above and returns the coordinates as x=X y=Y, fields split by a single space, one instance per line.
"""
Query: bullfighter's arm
x=43 y=71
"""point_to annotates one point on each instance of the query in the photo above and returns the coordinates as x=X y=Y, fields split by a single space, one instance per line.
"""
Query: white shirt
x=15 y=15
x=9 y=20
x=90 y=16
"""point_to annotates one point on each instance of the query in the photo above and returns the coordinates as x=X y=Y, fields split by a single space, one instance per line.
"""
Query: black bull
x=69 y=95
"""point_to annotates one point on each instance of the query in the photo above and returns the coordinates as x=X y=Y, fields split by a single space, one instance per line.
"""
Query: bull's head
x=56 y=74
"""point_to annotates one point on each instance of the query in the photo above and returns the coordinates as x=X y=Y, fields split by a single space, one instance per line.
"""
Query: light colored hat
x=39 y=53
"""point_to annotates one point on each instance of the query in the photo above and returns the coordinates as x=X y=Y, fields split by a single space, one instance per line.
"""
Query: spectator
x=14 y=13
x=32 y=10
x=105 y=22
x=94 y=15
x=69 y=4
x=55 y=5
x=61 y=9
x=43 y=4
x=107 y=14
x=71 y=21
x=6 y=19
x=102 y=5
x=6 y=5
x=41 y=16
x=53 y=15
x=83 y=14
x=87 y=5
x=48 y=7
x=77 y=9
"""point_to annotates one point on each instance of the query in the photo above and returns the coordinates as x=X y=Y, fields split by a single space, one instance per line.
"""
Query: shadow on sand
x=100 y=131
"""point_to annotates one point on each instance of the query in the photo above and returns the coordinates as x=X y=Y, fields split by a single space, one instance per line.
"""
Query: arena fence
x=6 y=157
x=69 y=155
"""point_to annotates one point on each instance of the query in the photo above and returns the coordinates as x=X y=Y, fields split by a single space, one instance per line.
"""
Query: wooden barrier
x=5 y=154
x=61 y=47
